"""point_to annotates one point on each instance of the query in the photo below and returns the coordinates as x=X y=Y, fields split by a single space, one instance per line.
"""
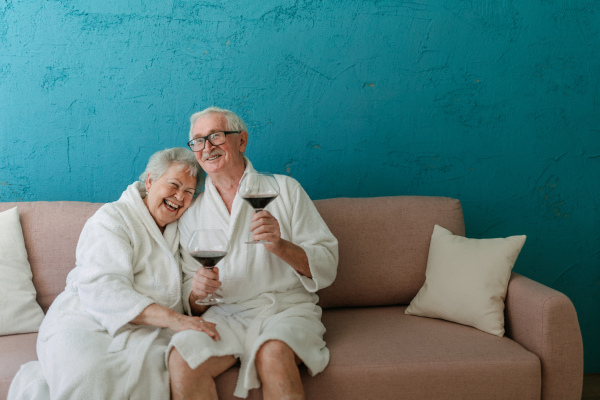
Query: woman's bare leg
x=277 y=366
x=199 y=383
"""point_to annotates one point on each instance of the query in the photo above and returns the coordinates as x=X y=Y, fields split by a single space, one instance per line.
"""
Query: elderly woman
x=107 y=336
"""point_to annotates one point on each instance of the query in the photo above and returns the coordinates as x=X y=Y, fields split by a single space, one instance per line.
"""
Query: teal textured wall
x=494 y=102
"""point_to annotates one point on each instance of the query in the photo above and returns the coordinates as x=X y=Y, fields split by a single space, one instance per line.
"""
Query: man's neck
x=227 y=185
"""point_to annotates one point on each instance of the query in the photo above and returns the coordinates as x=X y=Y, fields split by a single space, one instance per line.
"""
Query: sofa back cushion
x=383 y=246
x=51 y=231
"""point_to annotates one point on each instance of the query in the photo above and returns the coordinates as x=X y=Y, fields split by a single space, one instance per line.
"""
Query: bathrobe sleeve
x=105 y=279
x=189 y=266
x=310 y=232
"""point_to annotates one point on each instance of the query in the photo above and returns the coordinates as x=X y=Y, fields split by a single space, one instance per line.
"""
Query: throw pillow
x=19 y=311
x=466 y=280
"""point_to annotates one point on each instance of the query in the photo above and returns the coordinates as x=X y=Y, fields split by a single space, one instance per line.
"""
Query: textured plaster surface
x=496 y=103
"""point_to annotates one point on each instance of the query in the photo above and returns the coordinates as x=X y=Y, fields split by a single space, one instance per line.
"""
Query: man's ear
x=243 y=141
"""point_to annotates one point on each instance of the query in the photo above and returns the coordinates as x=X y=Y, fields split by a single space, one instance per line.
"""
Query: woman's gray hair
x=234 y=123
x=160 y=162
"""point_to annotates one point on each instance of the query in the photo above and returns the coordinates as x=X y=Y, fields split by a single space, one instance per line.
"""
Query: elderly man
x=269 y=318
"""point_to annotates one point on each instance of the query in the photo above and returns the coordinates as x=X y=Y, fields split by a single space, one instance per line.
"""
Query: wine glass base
x=211 y=301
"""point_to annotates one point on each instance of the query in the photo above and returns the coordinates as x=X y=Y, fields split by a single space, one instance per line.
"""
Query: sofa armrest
x=544 y=321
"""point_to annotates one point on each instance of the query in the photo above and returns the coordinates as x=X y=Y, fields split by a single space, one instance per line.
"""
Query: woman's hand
x=183 y=323
x=164 y=317
x=205 y=282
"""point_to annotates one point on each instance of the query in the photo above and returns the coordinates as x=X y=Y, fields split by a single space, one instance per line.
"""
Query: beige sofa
x=377 y=352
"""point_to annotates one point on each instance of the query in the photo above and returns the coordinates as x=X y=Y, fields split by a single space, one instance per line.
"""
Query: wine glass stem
x=210 y=295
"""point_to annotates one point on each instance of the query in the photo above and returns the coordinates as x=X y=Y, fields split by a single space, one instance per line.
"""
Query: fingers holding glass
x=208 y=247
x=205 y=282
x=258 y=189
x=265 y=228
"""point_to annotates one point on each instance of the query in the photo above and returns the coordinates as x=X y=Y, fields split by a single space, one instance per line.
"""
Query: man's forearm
x=293 y=255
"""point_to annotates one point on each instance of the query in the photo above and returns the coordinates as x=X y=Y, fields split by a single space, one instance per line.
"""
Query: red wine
x=259 y=201
x=208 y=258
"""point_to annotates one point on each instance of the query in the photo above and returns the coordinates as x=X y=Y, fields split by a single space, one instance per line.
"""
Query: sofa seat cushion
x=401 y=356
x=16 y=350
x=409 y=357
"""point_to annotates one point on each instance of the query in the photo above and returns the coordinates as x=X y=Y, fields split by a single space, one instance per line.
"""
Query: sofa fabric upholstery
x=51 y=231
x=383 y=246
x=377 y=352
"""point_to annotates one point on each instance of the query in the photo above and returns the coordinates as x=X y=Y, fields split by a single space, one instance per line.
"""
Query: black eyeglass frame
x=192 y=142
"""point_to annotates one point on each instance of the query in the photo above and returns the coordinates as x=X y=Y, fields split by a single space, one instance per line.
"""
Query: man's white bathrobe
x=264 y=298
x=86 y=346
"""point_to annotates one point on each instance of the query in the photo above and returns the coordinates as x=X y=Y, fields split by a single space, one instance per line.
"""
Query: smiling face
x=225 y=159
x=170 y=195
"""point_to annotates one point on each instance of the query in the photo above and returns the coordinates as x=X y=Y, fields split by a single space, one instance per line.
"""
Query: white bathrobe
x=86 y=346
x=264 y=297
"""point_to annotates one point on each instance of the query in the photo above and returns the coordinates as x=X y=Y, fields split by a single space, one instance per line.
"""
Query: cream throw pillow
x=19 y=311
x=466 y=280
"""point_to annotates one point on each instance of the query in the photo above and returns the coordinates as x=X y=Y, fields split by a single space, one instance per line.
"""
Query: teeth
x=171 y=205
x=213 y=157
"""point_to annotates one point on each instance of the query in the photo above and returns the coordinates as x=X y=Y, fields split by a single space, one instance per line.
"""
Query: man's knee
x=275 y=354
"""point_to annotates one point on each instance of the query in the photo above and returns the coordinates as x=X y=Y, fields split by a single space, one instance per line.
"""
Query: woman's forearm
x=164 y=317
x=156 y=315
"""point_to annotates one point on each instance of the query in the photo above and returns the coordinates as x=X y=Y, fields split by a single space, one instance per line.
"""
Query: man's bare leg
x=199 y=383
x=277 y=366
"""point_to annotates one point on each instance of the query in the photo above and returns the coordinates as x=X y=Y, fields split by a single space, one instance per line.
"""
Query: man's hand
x=265 y=226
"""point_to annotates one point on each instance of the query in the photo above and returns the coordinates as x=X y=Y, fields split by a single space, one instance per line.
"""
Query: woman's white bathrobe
x=86 y=346
x=265 y=298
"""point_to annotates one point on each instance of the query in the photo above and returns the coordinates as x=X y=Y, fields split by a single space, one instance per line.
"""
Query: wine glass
x=258 y=189
x=208 y=247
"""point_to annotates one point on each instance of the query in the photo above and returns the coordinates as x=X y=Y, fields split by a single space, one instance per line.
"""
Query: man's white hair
x=234 y=123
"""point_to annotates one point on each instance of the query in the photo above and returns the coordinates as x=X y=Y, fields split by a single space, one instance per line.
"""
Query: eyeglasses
x=215 y=139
